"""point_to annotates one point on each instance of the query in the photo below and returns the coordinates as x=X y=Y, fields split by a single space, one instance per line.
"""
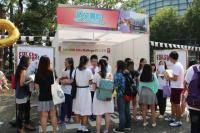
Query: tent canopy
x=91 y=36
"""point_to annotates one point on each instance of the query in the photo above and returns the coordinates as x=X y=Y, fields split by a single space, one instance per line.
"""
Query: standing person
x=94 y=69
x=162 y=101
x=66 y=80
x=148 y=88
x=102 y=107
x=82 y=104
x=109 y=68
x=23 y=95
x=43 y=80
x=153 y=66
x=192 y=80
x=123 y=106
x=143 y=61
x=135 y=77
x=177 y=85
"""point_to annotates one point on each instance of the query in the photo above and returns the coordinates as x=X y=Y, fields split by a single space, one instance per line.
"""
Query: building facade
x=151 y=6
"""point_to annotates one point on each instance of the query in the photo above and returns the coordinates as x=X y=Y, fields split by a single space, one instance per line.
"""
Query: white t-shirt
x=66 y=88
x=83 y=77
x=94 y=71
x=178 y=70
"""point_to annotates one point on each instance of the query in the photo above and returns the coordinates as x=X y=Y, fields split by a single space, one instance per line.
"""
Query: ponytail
x=103 y=63
x=83 y=61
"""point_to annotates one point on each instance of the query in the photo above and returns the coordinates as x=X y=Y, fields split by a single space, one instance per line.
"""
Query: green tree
x=164 y=25
x=191 y=21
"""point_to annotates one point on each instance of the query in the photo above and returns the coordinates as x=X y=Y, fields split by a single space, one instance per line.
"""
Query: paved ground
x=7 y=114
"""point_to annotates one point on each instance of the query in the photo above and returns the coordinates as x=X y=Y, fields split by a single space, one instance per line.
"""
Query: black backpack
x=131 y=86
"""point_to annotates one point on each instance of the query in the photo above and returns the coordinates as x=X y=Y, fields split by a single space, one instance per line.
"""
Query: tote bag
x=57 y=93
x=167 y=90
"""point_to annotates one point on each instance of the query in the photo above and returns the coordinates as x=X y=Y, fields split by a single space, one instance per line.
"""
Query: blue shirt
x=119 y=83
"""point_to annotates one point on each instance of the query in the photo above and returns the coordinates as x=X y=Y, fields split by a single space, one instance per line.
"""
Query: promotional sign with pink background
x=66 y=16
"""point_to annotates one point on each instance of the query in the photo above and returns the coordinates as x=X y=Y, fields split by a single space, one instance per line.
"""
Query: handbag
x=167 y=90
x=74 y=87
x=57 y=93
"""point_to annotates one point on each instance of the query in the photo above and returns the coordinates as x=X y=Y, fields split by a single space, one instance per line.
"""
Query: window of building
x=158 y=0
x=182 y=6
x=152 y=1
x=166 y=2
x=146 y=3
x=182 y=1
x=152 y=12
x=159 y=4
x=152 y=6
x=174 y=2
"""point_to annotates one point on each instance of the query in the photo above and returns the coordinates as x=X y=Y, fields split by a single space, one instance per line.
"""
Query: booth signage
x=164 y=55
x=88 y=18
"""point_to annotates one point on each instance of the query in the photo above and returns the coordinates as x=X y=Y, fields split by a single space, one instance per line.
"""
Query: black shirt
x=45 y=83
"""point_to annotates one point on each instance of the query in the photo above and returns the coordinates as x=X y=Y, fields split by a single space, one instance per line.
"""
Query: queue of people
x=146 y=88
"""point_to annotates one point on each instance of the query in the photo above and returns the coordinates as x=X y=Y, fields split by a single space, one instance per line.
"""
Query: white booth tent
x=74 y=42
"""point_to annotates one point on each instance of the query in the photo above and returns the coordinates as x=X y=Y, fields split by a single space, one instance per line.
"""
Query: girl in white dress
x=82 y=104
x=102 y=107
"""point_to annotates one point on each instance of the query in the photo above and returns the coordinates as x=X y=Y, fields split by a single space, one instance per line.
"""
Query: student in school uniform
x=102 y=107
x=82 y=104
x=66 y=80
x=94 y=69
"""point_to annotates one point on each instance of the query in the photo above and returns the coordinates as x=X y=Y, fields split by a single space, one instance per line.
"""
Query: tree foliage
x=191 y=21
x=167 y=26
x=164 y=25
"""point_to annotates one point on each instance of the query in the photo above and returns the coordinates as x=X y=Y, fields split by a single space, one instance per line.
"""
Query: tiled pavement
x=7 y=114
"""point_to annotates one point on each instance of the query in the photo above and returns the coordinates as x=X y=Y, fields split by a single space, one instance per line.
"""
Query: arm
x=22 y=78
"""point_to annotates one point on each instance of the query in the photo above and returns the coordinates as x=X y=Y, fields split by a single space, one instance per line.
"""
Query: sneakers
x=127 y=129
x=118 y=130
x=154 y=125
x=145 y=124
x=170 y=119
x=176 y=124
x=161 y=116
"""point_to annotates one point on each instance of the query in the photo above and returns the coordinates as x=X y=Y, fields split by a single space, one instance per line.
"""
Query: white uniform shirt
x=66 y=88
x=178 y=70
x=94 y=71
x=83 y=77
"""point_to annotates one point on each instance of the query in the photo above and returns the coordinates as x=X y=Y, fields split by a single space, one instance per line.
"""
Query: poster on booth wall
x=164 y=55
x=77 y=50
x=132 y=22
x=34 y=53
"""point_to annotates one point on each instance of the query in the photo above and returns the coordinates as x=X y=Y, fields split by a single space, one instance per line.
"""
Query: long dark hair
x=23 y=65
x=146 y=75
x=121 y=66
x=140 y=65
x=103 y=71
x=71 y=63
x=44 y=67
x=153 y=65
x=165 y=64
x=83 y=61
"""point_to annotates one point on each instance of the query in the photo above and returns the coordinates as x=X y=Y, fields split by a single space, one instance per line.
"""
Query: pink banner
x=88 y=18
